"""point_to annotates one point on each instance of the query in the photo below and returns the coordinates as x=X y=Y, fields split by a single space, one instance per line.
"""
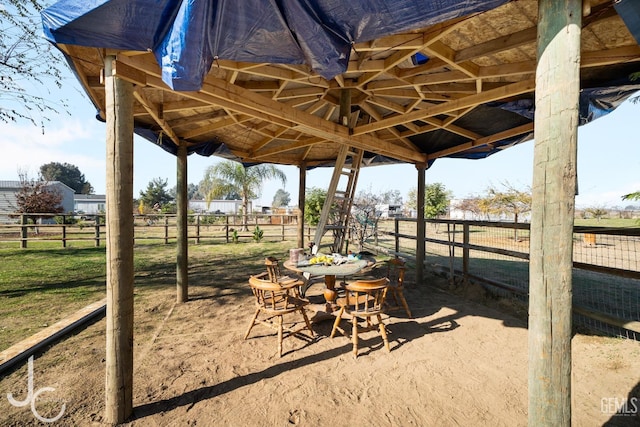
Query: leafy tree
x=472 y=205
x=597 y=212
x=281 y=198
x=391 y=197
x=510 y=201
x=67 y=174
x=632 y=196
x=29 y=65
x=193 y=192
x=37 y=197
x=436 y=200
x=229 y=177
x=313 y=201
x=156 y=194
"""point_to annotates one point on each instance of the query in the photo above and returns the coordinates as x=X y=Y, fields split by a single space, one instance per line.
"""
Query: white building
x=9 y=190
x=89 y=204
x=218 y=206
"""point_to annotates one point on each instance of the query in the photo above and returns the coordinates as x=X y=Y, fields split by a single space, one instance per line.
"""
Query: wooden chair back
x=395 y=272
x=366 y=297
x=273 y=268
x=271 y=295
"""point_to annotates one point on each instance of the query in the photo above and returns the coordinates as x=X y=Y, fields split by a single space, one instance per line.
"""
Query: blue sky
x=608 y=159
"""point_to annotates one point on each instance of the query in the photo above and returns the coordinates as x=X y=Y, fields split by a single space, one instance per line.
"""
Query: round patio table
x=330 y=272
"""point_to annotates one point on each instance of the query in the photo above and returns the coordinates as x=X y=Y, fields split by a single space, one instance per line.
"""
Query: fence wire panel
x=606 y=277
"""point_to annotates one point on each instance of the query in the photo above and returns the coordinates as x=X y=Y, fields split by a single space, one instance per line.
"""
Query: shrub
x=258 y=234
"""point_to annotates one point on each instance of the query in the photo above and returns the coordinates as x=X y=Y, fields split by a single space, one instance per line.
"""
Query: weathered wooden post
x=182 y=267
x=302 y=185
x=420 y=226
x=554 y=185
x=24 y=231
x=96 y=230
x=198 y=229
x=119 y=357
x=64 y=232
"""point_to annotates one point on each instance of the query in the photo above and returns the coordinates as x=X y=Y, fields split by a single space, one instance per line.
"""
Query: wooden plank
x=552 y=213
x=42 y=339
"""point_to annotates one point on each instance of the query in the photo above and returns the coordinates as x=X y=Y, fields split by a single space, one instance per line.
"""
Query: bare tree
x=36 y=197
x=364 y=217
x=29 y=65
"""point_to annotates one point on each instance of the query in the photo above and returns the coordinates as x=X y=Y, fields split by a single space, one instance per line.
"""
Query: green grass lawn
x=607 y=222
x=40 y=286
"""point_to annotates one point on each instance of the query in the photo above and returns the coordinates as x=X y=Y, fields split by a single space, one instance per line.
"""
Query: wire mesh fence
x=606 y=273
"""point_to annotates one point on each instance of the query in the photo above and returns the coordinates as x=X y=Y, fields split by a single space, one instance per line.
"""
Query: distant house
x=389 y=211
x=89 y=204
x=9 y=190
x=218 y=206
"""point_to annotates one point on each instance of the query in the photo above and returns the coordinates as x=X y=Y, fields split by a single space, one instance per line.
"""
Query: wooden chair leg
x=354 y=338
x=307 y=321
x=337 y=322
x=383 y=332
x=404 y=304
x=280 y=336
x=253 y=322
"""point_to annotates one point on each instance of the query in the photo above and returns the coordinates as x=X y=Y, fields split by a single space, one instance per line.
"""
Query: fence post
x=396 y=229
x=166 y=230
x=97 y=230
x=226 y=228
x=283 y=228
x=197 y=228
x=465 y=251
x=23 y=231
x=64 y=232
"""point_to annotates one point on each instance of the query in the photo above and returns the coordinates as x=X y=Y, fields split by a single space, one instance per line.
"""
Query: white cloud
x=26 y=148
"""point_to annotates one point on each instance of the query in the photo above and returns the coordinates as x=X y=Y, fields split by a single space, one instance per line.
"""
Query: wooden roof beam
x=502 y=92
x=520 y=130
x=156 y=114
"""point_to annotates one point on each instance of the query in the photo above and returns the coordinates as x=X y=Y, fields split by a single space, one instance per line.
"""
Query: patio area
x=457 y=362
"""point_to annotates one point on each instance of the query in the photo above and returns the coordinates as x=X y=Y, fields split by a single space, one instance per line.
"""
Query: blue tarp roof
x=188 y=36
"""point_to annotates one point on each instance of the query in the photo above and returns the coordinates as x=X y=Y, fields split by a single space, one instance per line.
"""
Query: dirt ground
x=457 y=362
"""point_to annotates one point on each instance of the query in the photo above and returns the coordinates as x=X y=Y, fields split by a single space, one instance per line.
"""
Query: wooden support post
x=198 y=229
x=166 y=229
x=345 y=107
x=64 y=232
x=420 y=227
x=302 y=184
x=554 y=185
x=96 y=230
x=465 y=251
x=119 y=357
x=396 y=229
x=182 y=259
x=24 y=231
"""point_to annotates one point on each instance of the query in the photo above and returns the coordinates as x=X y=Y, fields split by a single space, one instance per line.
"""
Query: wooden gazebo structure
x=462 y=82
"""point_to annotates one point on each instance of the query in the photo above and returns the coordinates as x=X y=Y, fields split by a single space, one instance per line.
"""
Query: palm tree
x=232 y=177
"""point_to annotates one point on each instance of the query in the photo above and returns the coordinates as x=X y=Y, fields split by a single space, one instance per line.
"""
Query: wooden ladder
x=337 y=206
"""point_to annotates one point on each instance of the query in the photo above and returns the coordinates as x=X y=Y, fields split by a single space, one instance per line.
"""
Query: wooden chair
x=275 y=275
x=274 y=301
x=395 y=274
x=363 y=299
